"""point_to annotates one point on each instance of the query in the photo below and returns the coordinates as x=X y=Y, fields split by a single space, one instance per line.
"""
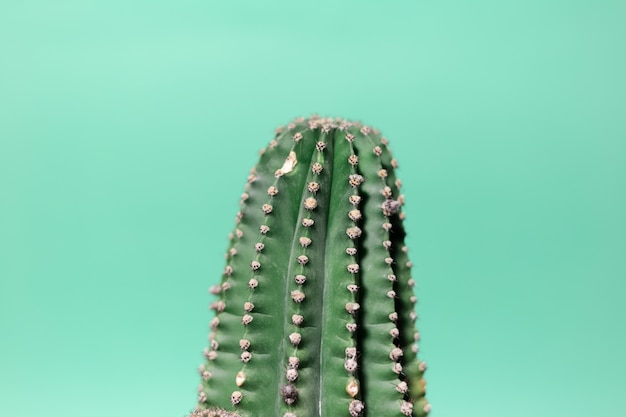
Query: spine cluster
x=315 y=311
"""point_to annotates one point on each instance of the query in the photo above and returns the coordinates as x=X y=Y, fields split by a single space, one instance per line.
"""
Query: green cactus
x=315 y=315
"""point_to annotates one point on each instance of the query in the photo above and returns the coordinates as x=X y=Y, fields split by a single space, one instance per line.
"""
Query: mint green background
x=127 y=129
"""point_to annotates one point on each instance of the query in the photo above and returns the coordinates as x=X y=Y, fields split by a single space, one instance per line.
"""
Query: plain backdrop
x=127 y=129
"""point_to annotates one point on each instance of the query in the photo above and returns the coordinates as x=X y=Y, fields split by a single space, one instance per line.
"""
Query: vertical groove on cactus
x=377 y=345
x=315 y=315
x=340 y=305
x=298 y=390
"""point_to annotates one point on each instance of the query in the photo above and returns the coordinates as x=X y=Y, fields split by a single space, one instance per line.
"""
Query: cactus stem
x=318 y=264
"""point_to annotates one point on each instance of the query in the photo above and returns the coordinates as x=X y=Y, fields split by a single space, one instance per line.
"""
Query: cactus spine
x=315 y=312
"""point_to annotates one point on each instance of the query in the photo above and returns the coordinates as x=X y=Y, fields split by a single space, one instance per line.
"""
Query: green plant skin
x=288 y=231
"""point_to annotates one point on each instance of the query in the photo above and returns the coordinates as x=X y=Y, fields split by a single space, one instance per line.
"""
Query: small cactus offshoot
x=315 y=312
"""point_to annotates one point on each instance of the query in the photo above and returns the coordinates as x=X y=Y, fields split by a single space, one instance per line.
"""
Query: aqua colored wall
x=127 y=129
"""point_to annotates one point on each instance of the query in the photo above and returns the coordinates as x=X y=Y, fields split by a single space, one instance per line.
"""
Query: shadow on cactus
x=315 y=312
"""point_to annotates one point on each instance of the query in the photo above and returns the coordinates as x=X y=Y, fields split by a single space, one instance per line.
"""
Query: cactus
x=315 y=311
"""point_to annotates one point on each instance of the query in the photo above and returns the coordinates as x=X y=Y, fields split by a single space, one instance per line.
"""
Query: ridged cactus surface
x=314 y=315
